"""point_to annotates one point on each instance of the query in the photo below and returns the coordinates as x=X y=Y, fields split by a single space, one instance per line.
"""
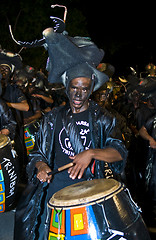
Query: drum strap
x=58 y=217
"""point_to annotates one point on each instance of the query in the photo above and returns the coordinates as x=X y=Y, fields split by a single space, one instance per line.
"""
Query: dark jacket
x=104 y=134
x=6 y=119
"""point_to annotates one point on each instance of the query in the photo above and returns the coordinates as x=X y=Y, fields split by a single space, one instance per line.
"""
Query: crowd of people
x=27 y=98
x=132 y=100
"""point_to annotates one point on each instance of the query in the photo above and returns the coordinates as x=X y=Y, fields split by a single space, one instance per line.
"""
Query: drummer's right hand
x=152 y=143
x=43 y=170
x=5 y=131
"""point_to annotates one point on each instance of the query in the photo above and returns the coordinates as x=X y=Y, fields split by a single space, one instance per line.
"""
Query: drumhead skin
x=4 y=140
x=86 y=192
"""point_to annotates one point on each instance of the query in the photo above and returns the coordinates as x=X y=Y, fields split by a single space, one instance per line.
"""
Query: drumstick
x=61 y=168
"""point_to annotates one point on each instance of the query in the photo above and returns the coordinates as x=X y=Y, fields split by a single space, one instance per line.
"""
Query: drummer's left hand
x=5 y=131
x=81 y=162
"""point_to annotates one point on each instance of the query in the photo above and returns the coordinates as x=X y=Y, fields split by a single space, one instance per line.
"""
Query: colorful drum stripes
x=2 y=191
x=30 y=131
x=75 y=224
x=29 y=140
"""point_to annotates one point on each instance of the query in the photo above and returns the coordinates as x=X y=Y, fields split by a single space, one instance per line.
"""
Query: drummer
x=7 y=122
x=75 y=147
x=34 y=112
x=146 y=116
x=76 y=143
x=38 y=91
x=15 y=99
x=79 y=132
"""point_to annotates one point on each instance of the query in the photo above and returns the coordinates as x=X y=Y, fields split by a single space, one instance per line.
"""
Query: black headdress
x=67 y=53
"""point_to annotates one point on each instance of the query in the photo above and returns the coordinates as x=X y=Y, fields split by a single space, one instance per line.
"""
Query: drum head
x=4 y=140
x=85 y=193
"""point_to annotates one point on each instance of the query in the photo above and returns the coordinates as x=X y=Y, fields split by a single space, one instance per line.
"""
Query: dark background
x=126 y=31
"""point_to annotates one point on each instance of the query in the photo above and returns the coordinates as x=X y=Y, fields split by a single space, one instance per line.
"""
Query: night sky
x=125 y=31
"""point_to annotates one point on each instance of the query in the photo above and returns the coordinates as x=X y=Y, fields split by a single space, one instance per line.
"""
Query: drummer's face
x=5 y=71
x=79 y=89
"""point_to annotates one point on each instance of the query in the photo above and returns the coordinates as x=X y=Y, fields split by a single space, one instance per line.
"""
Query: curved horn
x=36 y=43
x=10 y=29
x=65 y=11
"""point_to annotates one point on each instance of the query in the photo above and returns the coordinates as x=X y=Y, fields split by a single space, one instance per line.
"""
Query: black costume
x=69 y=58
x=33 y=106
x=104 y=133
x=12 y=93
x=147 y=118
x=150 y=173
x=6 y=119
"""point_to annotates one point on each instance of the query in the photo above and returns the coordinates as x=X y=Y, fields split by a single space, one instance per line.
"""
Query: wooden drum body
x=8 y=173
x=97 y=209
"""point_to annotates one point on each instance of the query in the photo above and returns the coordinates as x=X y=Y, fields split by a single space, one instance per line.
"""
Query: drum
x=8 y=173
x=30 y=131
x=96 y=209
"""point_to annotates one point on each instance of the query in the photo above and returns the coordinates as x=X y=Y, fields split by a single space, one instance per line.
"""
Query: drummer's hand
x=81 y=161
x=37 y=95
x=26 y=120
x=4 y=131
x=152 y=143
x=43 y=170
